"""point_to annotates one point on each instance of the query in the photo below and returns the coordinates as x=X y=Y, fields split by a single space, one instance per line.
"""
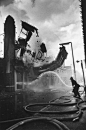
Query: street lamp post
x=67 y=43
x=73 y=60
x=83 y=73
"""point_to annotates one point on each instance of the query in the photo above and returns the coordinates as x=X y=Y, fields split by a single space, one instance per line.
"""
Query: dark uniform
x=75 y=87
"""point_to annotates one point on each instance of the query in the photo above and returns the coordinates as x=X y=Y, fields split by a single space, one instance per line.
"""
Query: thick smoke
x=6 y=2
x=34 y=46
x=35 y=42
x=33 y=2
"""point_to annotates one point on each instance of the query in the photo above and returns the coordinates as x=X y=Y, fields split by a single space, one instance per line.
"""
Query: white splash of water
x=48 y=81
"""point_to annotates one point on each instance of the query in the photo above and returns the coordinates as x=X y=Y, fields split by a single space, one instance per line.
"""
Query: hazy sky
x=58 y=21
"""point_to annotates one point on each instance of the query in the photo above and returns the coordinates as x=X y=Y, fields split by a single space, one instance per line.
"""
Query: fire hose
x=53 y=120
x=56 y=123
x=78 y=111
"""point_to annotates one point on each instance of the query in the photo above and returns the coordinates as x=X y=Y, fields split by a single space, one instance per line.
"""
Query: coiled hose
x=78 y=111
x=57 y=124
x=54 y=120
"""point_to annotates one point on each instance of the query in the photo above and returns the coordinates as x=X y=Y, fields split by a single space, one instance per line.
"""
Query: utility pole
x=82 y=73
x=73 y=61
x=83 y=76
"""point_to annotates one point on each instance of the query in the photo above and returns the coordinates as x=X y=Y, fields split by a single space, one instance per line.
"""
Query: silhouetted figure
x=75 y=87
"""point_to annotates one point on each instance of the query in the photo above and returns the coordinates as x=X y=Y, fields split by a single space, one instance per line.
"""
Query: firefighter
x=75 y=87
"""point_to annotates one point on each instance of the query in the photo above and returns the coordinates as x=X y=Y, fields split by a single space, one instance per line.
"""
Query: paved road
x=11 y=104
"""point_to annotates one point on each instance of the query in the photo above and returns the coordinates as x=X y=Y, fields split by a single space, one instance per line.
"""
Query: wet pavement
x=12 y=106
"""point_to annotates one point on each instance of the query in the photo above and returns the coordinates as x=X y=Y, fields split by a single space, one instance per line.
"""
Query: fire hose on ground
x=78 y=111
x=53 y=120
x=57 y=124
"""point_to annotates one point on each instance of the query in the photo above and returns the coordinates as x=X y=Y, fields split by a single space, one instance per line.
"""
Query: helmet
x=71 y=78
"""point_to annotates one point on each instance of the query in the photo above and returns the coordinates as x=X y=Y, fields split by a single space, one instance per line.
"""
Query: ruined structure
x=9 y=51
x=9 y=64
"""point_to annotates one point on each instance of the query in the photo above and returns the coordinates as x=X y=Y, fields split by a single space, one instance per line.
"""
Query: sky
x=58 y=21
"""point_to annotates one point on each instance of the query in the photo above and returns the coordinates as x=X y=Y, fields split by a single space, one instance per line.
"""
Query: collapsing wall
x=9 y=51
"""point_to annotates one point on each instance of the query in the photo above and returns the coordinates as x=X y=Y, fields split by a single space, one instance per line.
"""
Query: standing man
x=75 y=87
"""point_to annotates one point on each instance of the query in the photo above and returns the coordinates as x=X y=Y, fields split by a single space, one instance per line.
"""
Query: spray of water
x=48 y=81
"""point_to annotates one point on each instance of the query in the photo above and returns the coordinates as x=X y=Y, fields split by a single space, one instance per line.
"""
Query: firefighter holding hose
x=75 y=87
